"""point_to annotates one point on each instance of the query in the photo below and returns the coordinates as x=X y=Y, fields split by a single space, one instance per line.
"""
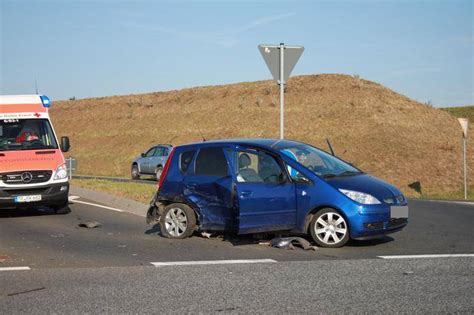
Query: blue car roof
x=259 y=142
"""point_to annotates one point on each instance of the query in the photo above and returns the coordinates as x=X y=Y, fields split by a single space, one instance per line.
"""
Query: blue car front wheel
x=329 y=228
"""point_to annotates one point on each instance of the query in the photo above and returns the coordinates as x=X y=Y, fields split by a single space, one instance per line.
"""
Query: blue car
x=264 y=185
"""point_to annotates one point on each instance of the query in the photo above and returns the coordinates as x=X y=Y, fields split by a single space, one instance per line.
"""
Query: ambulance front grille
x=26 y=177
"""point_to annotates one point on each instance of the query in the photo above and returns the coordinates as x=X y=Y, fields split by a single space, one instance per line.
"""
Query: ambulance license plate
x=30 y=198
x=397 y=212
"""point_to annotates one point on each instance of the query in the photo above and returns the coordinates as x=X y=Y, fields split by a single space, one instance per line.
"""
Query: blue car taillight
x=165 y=170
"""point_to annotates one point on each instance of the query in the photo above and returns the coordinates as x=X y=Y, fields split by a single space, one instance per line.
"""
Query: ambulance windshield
x=26 y=134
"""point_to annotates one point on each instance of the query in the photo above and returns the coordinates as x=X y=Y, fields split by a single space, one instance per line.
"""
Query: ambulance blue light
x=45 y=100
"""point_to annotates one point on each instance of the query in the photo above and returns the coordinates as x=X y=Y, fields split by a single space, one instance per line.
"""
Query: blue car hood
x=366 y=184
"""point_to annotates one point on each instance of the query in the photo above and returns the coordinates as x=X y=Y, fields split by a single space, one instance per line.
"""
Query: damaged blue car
x=265 y=185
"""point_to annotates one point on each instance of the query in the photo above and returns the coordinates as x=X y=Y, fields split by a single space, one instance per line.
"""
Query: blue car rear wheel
x=177 y=221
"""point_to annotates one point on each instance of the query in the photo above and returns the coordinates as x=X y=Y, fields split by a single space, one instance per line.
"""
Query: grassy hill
x=380 y=131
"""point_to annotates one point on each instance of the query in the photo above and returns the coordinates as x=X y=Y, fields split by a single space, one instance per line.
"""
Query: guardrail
x=116 y=179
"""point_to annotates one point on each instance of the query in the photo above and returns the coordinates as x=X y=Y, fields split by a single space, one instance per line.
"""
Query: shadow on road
x=27 y=212
x=255 y=239
x=379 y=241
x=31 y=212
x=153 y=230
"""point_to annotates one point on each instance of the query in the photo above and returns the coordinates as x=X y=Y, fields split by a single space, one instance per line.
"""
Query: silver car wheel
x=134 y=171
x=330 y=228
x=158 y=172
x=176 y=222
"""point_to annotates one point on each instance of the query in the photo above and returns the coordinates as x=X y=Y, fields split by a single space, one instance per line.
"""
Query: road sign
x=464 y=125
x=271 y=55
x=280 y=60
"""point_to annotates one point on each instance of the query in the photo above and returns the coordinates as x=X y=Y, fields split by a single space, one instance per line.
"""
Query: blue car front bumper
x=375 y=221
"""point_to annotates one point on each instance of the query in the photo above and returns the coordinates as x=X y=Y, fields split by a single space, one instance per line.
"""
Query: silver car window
x=159 y=151
x=150 y=152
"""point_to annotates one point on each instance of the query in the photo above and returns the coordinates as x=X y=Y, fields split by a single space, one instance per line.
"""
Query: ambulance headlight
x=61 y=172
x=45 y=100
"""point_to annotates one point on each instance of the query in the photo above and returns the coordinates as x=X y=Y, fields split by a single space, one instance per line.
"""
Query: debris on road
x=27 y=291
x=90 y=224
x=206 y=234
x=57 y=235
x=291 y=242
x=3 y=258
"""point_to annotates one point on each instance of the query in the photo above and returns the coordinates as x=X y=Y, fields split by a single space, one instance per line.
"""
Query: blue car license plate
x=397 y=212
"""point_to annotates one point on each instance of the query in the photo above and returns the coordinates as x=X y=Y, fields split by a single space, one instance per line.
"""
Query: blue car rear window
x=211 y=162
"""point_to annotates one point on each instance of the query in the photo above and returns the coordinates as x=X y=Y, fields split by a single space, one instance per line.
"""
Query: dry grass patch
x=382 y=132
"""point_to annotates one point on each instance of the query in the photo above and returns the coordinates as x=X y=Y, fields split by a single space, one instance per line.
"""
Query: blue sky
x=423 y=49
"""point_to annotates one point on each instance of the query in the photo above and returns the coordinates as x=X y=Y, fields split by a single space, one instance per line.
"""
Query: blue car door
x=209 y=187
x=266 y=198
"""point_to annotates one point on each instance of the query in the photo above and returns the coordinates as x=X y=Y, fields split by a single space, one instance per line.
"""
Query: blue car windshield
x=318 y=161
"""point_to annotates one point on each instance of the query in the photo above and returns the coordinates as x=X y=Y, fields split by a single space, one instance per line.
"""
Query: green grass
x=135 y=191
x=462 y=112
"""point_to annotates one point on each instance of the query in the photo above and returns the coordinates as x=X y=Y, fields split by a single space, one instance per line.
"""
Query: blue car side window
x=185 y=160
x=257 y=168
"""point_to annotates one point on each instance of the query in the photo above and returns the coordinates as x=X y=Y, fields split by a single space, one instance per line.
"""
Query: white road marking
x=466 y=203
x=212 y=262
x=425 y=256
x=73 y=199
x=96 y=205
x=14 y=268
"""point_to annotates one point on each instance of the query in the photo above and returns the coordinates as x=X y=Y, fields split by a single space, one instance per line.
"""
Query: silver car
x=151 y=162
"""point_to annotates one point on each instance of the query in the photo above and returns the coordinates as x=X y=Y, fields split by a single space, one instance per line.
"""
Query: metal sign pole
x=282 y=89
x=280 y=60
x=465 y=169
x=465 y=126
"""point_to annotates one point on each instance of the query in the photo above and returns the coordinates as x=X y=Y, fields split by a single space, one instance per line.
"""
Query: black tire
x=333 y=230
x=167 y=223
x=62 y=209
x=135 y=172
x=158 y=172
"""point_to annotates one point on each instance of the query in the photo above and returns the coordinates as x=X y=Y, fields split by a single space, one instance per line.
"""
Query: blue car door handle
x=192 y=184
x=246 y=193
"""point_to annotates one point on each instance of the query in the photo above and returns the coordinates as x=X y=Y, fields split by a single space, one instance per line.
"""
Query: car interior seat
x=247 y=174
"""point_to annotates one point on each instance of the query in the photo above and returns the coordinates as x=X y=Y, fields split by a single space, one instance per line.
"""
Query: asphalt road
x=108 y=269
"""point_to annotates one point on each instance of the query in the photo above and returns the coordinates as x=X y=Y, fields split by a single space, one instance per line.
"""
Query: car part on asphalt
x=291 y=242
x=206 y=234
x=90 y=224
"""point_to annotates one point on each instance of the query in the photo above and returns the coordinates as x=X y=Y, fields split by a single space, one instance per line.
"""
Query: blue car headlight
x=360 y=197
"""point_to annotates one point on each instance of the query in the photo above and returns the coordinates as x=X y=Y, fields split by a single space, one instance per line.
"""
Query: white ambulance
x=32 y=167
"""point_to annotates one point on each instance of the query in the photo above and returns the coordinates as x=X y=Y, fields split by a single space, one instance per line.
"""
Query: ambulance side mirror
x=65 y=145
